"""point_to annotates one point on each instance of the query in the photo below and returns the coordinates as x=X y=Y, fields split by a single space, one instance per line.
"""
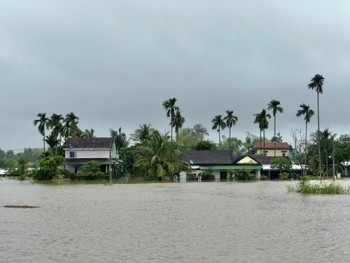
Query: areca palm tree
x=70 y=125
x=177 y=122
x=317 y=85
x=89 y=133
x=218 y=124
x=169 y=106
x=275 y=107
x=230 y=120
x=262 y=120
x=43 y=123
x=119 y=138
x=307 y=112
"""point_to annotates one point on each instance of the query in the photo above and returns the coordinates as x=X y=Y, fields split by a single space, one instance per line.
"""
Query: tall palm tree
x=55 y=123
x=43 y=123
x=177 y=122
x=275 y=107
x=142 y=134
x=70 y=125
x=307 y=112
x=230 y=120
x=169 y=106
x=218 y=124
x=262 y=119
x=317 y=85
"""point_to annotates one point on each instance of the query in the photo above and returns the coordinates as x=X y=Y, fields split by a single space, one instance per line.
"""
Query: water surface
x=171 y=222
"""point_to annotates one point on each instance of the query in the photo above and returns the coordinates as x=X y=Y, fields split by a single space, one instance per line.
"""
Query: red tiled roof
x=272 y=145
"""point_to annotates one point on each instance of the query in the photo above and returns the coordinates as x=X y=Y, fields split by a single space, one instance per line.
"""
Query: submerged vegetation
x=307 y=186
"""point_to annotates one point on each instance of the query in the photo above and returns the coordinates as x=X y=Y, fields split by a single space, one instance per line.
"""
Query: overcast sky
x=114 y=62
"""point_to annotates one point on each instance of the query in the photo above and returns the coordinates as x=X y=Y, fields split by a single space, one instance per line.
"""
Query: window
x=72 y=154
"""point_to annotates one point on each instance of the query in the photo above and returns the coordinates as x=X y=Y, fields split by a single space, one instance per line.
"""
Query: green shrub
x=48 y=168
x=283 y=176
x=305 y=187
x=264 y=178
x=90 y=171
x=244 y=175
x=207 y=176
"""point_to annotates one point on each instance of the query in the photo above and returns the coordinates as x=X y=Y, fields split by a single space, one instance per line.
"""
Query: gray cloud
x=113 y=63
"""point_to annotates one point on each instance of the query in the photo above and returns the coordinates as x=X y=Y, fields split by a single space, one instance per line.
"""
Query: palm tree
x=159 y=157
x=169 y=106
x=70 y=125
x=274 y=105
x=142 y=134
x=55 y=123
x=308 y=113
x=230 y=120
x=119 y=138
x=89 y=133
x=218 y=124
x=43 y=122
x=317 y=84
x=177 y=122
x=262 y=119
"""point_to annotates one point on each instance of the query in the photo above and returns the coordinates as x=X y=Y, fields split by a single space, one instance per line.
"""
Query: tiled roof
x=266 y=159
x=208 y=157
x=272 y=145
x=93 y=143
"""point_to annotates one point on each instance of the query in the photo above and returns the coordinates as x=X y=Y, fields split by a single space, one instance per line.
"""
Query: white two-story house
x=81 y=150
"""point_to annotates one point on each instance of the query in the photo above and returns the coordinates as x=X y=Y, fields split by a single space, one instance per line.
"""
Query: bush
x=244 y=176
x=283 y=176
x=48 y=168
x=305 y=187
x=90 y=171
x=207 y=176
x=264 y=178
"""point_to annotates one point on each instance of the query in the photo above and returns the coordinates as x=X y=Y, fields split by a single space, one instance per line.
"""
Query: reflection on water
x=168 y=222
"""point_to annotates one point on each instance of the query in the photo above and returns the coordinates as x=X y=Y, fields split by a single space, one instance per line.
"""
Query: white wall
x=88 y=153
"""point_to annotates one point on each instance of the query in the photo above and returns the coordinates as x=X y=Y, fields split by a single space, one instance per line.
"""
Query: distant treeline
x=10 y=159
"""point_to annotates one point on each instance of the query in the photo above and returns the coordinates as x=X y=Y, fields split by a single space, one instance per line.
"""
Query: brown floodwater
x=171 y=222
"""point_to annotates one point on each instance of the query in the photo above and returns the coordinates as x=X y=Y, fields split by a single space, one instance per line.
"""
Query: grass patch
x=305 y=186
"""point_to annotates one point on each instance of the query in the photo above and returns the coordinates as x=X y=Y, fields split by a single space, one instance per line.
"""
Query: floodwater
x=171 y=222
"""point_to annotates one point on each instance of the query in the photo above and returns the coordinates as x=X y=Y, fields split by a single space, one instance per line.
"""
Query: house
x=81 y=150
x=219 y=163
x=273 y=149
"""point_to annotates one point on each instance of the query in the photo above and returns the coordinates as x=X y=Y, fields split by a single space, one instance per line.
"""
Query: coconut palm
x=159 y=157
x=230 y=120
x=262 y=120
x=169 y=106
x=317 y=85
x=177 y=122
x=218 y=124
x=307 y=112
x=43 y=123
x=142 y=134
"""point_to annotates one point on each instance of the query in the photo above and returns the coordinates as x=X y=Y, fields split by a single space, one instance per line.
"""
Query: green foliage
x=90 y=171
x=207 y=176
x=306 y=187
x=205 y=145
x=48 y=168
x=264 y=178
x=284 y=176
x=282 y=164
x=244 y=175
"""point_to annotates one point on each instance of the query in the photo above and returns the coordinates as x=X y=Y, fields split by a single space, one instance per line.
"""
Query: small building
x=81 y=150
x=220 y=163
x=273 y=149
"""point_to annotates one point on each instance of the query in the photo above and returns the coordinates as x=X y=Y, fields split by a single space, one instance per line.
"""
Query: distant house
x=219 y=163
x=81 y=150
x=273 y=149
